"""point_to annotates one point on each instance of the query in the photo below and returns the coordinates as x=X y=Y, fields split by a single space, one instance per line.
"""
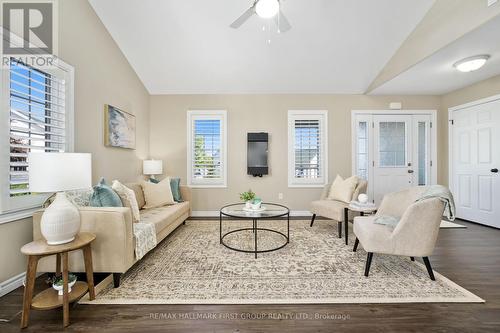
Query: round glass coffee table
x=270 y=211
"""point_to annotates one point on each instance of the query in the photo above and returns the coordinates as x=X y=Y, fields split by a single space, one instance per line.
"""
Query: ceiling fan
x=266 y=9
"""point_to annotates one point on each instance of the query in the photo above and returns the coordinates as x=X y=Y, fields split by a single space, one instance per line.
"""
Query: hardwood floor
x=469 y=257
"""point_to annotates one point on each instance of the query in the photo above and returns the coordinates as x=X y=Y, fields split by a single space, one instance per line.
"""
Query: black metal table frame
x=254 y=228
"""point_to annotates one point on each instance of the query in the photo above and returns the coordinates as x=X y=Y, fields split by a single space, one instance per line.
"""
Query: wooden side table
x=361 y=211
x=49 y=298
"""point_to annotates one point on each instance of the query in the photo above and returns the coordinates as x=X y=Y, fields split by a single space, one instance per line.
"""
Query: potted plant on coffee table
x=247 y=198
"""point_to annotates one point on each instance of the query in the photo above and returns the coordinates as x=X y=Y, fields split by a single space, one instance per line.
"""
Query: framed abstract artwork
x=119 y=128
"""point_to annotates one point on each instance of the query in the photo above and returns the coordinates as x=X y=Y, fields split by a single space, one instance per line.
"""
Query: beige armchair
x=414 y=236
x=333 y=209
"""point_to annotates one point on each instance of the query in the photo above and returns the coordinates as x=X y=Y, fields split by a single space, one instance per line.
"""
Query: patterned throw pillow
x=128 y=198
x=104 y=196
x=79 y=198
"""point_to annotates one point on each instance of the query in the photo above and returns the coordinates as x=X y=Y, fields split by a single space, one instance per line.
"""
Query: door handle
x=410 y=171
x=495 y=170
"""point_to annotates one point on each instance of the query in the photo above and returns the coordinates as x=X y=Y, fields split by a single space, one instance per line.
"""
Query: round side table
x=49 y=298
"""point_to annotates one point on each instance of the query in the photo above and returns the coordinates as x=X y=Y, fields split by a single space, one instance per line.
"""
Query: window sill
x=306 y=185
x=207 y=186
x=17 y=215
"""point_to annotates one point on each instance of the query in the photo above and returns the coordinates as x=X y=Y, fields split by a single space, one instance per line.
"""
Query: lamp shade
x=152 y=167
x=54 y=172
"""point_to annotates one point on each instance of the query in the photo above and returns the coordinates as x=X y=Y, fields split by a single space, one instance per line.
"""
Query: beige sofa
x=113 y=251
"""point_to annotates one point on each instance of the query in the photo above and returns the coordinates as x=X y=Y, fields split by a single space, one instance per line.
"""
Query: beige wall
x=102 y=76
x=471 y=93
x=12 y=237
x=267 y=113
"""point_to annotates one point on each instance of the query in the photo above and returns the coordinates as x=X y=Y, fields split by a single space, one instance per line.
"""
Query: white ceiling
x=186 y=46
x=436 y=74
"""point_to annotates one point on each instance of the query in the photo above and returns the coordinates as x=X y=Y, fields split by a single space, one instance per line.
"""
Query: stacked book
x=362 y=206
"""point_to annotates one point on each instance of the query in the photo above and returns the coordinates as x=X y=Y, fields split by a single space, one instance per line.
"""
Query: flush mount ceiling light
x=472 y=63
x=267 y=8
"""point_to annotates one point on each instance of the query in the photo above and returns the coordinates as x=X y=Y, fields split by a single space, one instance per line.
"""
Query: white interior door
x=475 y=162
x=393 y=168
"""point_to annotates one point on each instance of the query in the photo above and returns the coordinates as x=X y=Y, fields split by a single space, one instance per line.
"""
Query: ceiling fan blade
x=243 y=18
x=282 y=22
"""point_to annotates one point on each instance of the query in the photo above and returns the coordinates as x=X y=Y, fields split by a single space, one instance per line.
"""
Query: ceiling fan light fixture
x=267 y=8
x=471 y=64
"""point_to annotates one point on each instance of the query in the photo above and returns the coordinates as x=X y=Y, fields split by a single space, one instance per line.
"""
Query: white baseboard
x=215 y=213
x=11 y=284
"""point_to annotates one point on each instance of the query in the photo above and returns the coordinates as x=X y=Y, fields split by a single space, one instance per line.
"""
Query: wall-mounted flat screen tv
x=257 y=150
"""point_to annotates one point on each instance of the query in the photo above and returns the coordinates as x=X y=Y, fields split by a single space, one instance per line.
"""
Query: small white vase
x=248 y=205
x=60 y=221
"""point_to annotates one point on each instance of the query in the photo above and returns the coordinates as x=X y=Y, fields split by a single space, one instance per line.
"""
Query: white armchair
x=416 y=233
x=333 y=209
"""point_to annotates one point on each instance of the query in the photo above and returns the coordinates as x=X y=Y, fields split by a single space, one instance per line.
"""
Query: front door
x=393 y=151
x=393 y=168
x=475 y=162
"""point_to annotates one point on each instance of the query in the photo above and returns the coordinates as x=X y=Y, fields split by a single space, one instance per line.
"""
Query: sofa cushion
x=373 y=237
x=163 y=216
x=331 y=209
x=139 y=194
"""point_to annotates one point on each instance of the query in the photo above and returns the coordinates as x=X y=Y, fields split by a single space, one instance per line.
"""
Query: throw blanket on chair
x=434 y=191
x=145 y=238
x=442 y=193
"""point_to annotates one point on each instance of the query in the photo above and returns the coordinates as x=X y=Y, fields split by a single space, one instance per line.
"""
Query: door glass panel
x=392 y=144
x=422 y=153
x=362 y=150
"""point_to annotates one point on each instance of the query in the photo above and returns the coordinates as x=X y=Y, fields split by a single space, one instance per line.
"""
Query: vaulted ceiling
x=334 y=46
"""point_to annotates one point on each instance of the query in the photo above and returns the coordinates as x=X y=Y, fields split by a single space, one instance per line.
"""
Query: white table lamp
x=57 y=172
x=152 y=167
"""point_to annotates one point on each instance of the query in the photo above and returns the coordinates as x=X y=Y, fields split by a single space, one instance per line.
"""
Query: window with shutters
x=207 y=153
x=307 y=148
x=40 y=120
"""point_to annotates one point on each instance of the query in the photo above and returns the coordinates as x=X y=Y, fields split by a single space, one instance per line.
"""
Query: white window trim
x=12 y=209
x=207 y=114
x=314 y=114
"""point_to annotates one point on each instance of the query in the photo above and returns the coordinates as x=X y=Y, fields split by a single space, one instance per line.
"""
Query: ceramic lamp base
x=60 y=221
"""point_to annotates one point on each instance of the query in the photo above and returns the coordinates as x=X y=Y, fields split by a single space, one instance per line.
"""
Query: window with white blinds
x=37 y=120
x=207 y=148
x=39 y=113
x=307 y=157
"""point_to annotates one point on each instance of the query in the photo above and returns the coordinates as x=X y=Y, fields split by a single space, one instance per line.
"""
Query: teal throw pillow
x=176 y=189
x=105 y=196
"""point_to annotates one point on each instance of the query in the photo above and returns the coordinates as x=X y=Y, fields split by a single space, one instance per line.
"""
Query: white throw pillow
x=157 y=195
x=342 y=190
x=128 y=198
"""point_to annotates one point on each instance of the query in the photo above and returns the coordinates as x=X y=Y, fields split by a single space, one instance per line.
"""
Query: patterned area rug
x=191 y=267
